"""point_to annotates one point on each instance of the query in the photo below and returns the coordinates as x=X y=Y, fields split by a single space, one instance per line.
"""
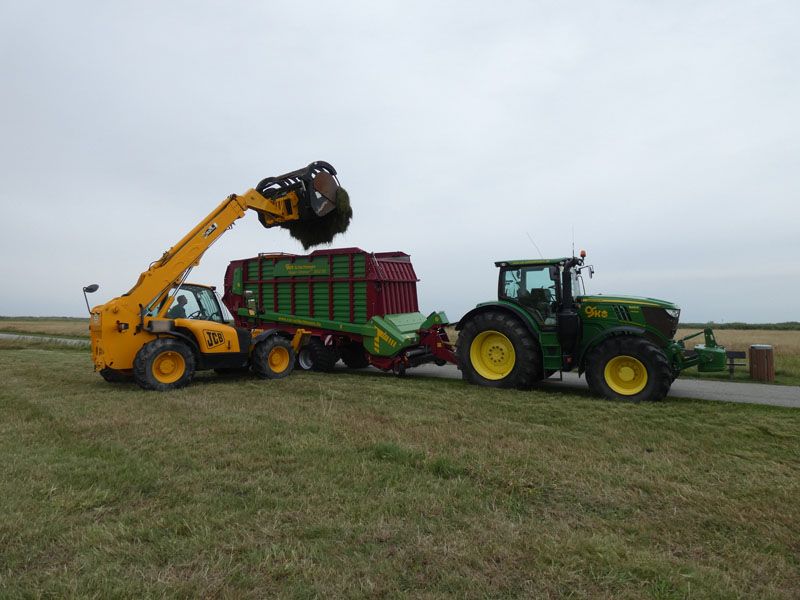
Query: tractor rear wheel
x=273 y=358
x=316 y=356
x=629 y=368
x=163 y=364
x=496 y=350
x=354 y=356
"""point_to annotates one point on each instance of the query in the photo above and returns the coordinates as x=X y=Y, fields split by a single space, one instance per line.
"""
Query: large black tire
x=115 y=376
x=496 y=350
x=354 y=356
x=316 y=356
x=164 y=364
x=273 y=358
x=629 y=368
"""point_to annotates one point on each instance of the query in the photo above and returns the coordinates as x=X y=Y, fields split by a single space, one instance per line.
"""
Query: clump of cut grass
x=322 y=230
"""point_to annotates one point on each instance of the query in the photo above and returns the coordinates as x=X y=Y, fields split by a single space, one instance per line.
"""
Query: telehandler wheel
x=496 y=350
x=163 y=364
x=629 y=368
x=115 y=376
x=273 y=358
x=316 y=356
x=354 y=356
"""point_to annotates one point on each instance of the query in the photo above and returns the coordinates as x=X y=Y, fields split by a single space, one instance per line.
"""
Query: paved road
x=723 y=391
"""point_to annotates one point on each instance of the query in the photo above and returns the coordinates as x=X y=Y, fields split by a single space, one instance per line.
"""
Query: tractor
x=543 y=323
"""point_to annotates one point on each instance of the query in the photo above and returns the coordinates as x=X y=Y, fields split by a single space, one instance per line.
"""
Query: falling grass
x=323 y=230
x=359 y=485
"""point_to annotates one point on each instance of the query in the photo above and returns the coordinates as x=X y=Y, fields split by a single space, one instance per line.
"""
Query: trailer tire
x=316 y=356
x=273 y=358
x=629 y=368
x=164 y=364
x=494 y=349
x=354 y=356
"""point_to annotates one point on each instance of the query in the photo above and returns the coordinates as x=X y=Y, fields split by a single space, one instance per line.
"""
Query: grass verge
x=359 y=485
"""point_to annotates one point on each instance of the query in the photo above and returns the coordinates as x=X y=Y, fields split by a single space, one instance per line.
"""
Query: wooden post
x=762 y=362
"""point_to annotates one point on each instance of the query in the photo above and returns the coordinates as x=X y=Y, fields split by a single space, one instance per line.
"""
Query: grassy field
x=357 y=485
x=51 y=326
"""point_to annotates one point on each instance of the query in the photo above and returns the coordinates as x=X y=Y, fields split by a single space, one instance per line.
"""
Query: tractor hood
x=630 y=300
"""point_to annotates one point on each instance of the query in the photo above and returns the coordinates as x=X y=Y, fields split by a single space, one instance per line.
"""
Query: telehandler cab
x=541 y=323
x=163 y=330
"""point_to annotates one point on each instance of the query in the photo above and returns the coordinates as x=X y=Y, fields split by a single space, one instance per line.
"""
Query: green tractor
x=541 y=324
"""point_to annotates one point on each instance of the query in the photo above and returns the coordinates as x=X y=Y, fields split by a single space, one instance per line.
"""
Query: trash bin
x=762 y=362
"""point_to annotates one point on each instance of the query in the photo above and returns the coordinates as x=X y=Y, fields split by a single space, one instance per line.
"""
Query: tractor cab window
x=195 y=302
x=535 y=289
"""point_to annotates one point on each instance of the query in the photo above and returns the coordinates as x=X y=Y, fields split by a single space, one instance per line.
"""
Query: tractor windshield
x=194 y=302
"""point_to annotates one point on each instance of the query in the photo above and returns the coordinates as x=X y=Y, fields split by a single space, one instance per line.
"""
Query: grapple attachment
x=323 y=206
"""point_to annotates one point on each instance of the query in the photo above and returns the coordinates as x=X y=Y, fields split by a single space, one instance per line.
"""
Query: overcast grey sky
x=664 y=134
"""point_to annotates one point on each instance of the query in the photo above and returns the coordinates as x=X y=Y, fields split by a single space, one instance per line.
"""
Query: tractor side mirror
x=89 y=289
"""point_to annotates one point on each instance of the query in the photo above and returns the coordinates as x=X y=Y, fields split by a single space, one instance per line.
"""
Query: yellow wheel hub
x=626 y=375
x=278 y=359
x=169 y=367
x=492 y=355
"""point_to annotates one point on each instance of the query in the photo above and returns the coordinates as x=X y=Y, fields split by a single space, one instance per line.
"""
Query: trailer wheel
x=496 y=350
x=273 y=358
x=163 y=364
x=629 y=368
x=354 y=356
x=316 y=356
x=115 y=376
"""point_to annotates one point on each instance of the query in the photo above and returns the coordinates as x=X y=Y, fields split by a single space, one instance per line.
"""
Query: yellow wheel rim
x=492 y=355
x=278 y=359
x=626 y=375
x=169 y=367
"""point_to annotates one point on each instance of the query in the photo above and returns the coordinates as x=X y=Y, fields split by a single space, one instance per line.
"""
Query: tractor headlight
x=675 y=313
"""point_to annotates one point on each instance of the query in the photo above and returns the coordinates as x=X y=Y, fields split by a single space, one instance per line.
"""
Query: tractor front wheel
x=496 y=350
x=273 y=358
x=163 y=364
x=629 y=368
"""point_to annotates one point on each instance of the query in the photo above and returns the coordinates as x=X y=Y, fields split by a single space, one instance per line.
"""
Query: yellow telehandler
x=164 y=329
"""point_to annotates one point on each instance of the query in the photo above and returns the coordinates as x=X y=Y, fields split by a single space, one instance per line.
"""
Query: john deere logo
x=596 y=313
x=214 y=338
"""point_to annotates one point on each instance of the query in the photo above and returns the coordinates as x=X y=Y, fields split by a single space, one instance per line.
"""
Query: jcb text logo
x=596 y=313
x=214 y=338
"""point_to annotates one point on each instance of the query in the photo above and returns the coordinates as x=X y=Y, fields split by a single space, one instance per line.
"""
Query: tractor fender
x=520 y=314
x=268 y=334
x=189 y=339
x=603 y=336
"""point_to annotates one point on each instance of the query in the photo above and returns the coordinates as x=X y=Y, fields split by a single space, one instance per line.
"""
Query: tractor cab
x=543 y=288
x=193 y=301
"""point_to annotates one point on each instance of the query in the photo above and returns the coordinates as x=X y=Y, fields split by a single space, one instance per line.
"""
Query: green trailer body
x=346 y=298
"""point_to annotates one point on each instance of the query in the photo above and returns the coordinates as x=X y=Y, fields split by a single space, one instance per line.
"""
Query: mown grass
x=358 y=485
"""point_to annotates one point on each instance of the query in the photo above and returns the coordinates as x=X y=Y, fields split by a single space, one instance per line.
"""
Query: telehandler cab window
x=535 y=289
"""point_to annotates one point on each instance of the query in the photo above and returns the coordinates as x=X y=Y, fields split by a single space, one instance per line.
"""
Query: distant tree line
x=785 y=326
